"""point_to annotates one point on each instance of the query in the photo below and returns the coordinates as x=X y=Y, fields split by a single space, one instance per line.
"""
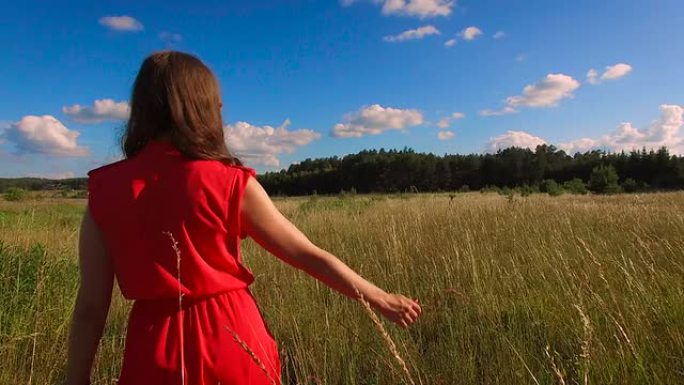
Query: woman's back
x=138 y=202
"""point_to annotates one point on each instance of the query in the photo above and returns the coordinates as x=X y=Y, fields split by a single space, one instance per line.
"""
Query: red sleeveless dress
x=135 y=203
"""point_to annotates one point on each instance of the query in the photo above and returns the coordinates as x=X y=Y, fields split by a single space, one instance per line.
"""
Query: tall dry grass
x=571 y=289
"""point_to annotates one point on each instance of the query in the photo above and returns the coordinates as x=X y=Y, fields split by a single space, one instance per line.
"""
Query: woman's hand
x=399 y=309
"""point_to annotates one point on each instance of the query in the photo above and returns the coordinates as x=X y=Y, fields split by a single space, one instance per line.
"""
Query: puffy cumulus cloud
x=413 y=34
x=102 y=110
x=43 y=135
x=665 y=131
x=470 y=33
x=519 y=139
x=616 y=71
x=121 y=23
x=446 y=121
x=445 y=135
x=546 y=93
x=450 y=42
x=376 y=119
x=261 y=145
x=611 y=73
x=418 y=8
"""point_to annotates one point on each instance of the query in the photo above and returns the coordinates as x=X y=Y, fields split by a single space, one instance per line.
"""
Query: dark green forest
x=545 y=169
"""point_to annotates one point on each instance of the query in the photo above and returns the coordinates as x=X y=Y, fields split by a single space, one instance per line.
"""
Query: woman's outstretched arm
x=92 y=302
x=268 y=227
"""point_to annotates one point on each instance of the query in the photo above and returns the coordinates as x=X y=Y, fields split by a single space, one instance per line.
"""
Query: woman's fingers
x=403 y=311
x=412 y=313
x=417 y=308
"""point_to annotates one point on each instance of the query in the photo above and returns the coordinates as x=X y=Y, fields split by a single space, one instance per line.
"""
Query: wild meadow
x=515 y=290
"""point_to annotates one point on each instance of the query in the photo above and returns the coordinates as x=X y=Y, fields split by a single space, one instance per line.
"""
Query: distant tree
x=630 y=185
x=527 y=190
x=604 y=180
x=575 y=186
x=550 y=187
x=15 y=194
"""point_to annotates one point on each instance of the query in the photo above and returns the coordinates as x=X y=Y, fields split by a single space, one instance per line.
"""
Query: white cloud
x=102 y=110
x=519 y=139
x=418 y=8
x=446 y=121
x=450 y=42
x=121 y=23
x=499 y=35
x=665 y=131
x=261 y=145
x=55 y=175
x=413 y=34
x=616 y=71
x=43 y=135
x=445 y=135
x=611 y=73
x=546 y=93
x=470 y=33
x=504 y=111
x=592 y=76
x=170 y=37
x=376 y=119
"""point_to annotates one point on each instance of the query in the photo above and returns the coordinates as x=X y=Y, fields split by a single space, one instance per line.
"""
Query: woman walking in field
x=179 y=179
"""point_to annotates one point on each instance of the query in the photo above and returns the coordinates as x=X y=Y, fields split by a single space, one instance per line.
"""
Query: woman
x=180 y=186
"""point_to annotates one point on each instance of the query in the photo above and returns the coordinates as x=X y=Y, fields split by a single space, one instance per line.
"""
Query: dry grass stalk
x=251 y=353
x=586 y=344
x=388 y=340
x=521 y=359
x=176 y=250
x=556 y=370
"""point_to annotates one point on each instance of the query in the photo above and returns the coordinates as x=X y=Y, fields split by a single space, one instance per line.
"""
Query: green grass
x=597 y=280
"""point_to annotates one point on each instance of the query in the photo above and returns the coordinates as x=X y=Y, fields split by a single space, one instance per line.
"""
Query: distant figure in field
x=179 y=180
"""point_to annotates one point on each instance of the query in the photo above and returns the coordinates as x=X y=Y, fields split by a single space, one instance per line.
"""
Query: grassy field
x=535 y=290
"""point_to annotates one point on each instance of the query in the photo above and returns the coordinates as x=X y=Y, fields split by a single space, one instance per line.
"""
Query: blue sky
x=320 y=78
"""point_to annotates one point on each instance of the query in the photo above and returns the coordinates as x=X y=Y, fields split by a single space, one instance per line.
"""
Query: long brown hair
x=176 y=97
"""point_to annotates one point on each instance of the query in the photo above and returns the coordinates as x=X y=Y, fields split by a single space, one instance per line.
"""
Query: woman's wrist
x=376 y=298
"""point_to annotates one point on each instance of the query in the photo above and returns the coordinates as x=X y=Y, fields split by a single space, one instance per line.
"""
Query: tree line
x=390 y=171
x=42 y=184
x=544 y=169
